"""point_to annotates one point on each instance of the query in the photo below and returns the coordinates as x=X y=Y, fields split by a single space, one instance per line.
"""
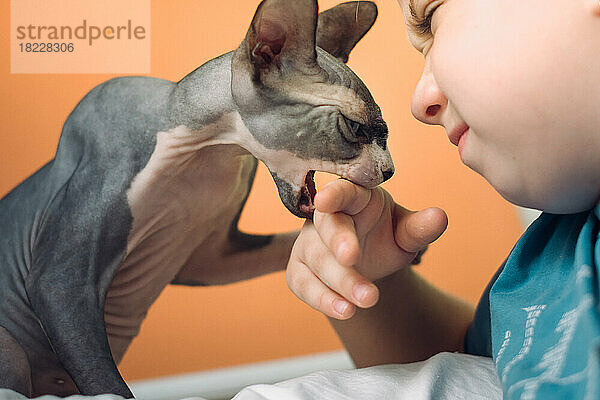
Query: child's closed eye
x=421 y=21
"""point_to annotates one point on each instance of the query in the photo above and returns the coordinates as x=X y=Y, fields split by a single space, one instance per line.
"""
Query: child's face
x=525 y=77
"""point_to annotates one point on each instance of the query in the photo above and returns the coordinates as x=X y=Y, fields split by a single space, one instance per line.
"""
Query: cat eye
x=354 y=126
x=355 y=132
x=352 y=131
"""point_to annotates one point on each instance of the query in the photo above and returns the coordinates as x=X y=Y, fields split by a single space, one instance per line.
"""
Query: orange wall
x=190 y=329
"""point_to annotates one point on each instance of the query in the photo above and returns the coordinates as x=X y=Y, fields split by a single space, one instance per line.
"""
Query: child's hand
x=358 y=236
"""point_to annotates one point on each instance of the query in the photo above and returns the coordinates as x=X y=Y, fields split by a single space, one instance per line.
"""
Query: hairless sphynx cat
x=149 y=180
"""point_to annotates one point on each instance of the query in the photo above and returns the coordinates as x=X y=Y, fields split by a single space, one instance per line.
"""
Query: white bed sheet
x=443 y=376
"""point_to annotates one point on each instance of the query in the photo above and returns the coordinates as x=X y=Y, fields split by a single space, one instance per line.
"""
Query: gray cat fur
x=64 y=230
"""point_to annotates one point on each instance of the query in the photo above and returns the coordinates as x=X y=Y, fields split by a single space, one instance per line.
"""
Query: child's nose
x=428 y=101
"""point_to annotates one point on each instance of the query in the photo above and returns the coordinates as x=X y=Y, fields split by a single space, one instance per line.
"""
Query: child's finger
x=339 y=235
x=415 y=230
x=344 y=280
x=308 y=288
x=342 y=196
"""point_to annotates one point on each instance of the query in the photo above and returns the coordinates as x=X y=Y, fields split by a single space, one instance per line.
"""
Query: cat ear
x=341 y=27
x=283 y=32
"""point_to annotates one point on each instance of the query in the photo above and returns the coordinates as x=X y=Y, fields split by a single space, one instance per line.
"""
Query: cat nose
x=387 y=174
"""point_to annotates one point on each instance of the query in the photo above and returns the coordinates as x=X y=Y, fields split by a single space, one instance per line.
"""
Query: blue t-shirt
x=539 y=318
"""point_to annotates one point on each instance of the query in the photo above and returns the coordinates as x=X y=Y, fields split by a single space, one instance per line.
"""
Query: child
x=516 y=85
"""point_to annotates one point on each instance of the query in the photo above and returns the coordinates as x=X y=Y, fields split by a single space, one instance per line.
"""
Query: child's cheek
x=484 y=72
x=488 y=86
x=511 y=77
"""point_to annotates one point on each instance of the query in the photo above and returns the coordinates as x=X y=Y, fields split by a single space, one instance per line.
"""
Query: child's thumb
x=415 y=230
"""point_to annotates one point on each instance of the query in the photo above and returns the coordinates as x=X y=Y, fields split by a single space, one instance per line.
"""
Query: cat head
x=305 y=109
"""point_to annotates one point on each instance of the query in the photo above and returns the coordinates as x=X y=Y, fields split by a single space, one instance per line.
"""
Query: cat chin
x=298 y=195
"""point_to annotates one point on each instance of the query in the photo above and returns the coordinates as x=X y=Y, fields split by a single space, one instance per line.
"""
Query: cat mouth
x=298 y=194
x=306 y=203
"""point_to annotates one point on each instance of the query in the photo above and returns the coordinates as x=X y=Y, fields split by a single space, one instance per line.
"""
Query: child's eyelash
x=423 y=24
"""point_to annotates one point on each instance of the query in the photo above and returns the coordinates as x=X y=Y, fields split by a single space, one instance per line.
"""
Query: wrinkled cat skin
x=149 y=180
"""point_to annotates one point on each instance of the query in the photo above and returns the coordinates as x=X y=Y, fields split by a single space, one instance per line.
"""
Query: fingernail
x=360 y=292
x=340 y=306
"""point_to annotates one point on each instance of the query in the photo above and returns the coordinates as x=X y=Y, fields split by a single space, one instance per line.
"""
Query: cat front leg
x=243 y=257
x=80 y=245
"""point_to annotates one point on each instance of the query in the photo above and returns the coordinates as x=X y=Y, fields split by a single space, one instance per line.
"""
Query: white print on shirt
x=505 y=343
x=553 y=361
x=533 y=313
